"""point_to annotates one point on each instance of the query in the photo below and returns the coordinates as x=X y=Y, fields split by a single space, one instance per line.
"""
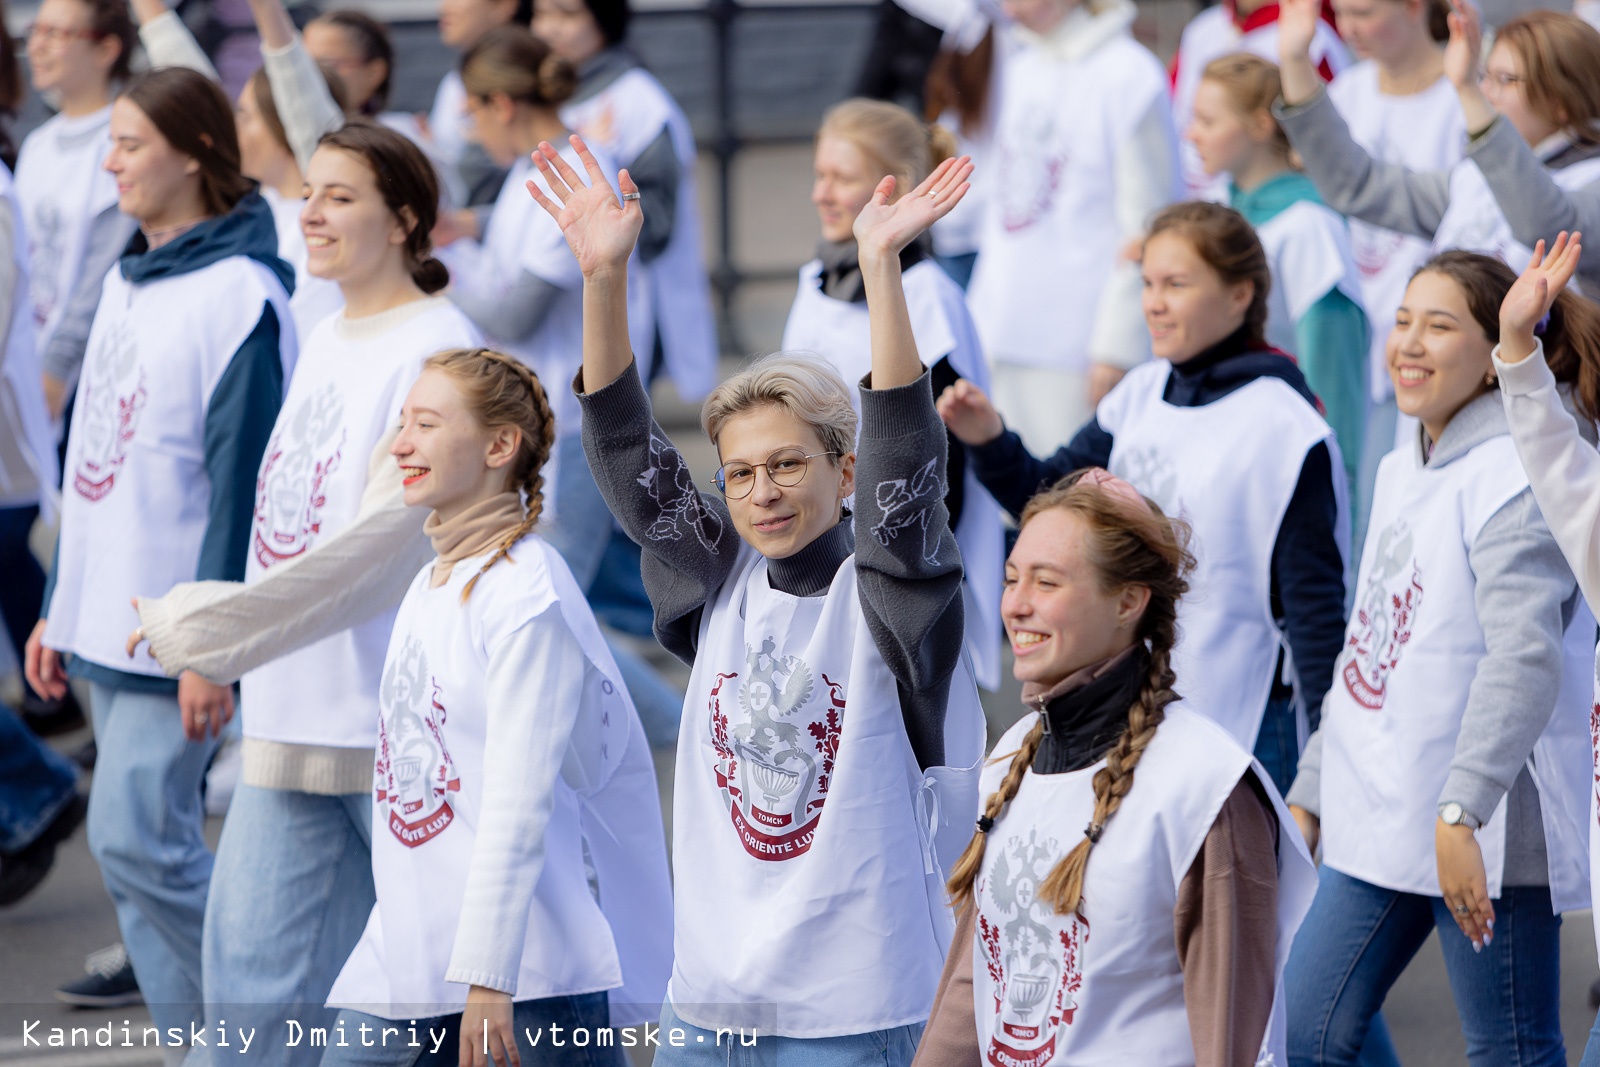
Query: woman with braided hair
x=490 y=805
x=1075 y=883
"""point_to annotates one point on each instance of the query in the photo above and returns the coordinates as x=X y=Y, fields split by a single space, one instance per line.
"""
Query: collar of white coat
x=1086 y=27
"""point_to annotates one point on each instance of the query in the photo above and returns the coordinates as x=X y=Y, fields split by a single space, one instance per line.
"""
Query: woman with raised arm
x=1078 y=877
x=858 y=143
x=1450 y=783
x=826 y=768
x=187 y=363
x=1532 y=165
x=1546 y=332
x=331 y=546
x=1224 y=432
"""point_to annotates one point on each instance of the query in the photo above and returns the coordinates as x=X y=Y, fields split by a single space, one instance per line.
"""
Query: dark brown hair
x=502 y=391
x=959 y=81
x=1128 y=545
x=196 y=118
x=371 y=39
x=11 y=91
x=110 y=18
x=1560 y=55
x=1228 y=244
x=409 y=187
x=1438 y=15
x=260 y=88
x=1571 y=337
x=511 y=60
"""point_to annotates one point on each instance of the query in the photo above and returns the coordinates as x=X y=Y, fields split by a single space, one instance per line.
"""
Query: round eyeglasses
x=786 y=467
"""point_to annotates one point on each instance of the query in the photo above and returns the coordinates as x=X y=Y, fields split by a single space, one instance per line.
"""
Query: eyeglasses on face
x=785 y=467
x=1500 y=79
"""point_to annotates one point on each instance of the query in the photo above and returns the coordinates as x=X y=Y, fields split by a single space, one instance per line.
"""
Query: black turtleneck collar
x=1085 y=722
x=1231 y=363
x=841 y=267
x=810 y=571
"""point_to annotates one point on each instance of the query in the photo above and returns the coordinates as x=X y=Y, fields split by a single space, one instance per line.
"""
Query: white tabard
x=803 y=921
x=136 y=497
x=840 y=333
x=1105 y=985
x=1421 y=132
x=1474 y=221
x=428 y=806
x=1392 y=718
x=1308 y=247
x=1229 y=469
x=345 y=395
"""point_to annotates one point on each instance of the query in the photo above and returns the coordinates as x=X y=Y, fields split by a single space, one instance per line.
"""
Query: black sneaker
x=22 y=871
x=108 y=984
x=48 y=718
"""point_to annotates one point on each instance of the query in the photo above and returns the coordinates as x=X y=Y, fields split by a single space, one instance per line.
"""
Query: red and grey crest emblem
x=112 y=398
x=1384 y=618
x=414 y=774
x=291 y=490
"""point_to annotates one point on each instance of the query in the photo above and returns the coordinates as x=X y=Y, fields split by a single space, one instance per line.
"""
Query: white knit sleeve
x=168 y=43
x=221 y=630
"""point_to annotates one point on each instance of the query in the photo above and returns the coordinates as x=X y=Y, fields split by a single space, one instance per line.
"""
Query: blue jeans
x=146 y=830
x=36 y=783
x=1358 y=938
x=586 y=1012
x=1591 y=1051
x=702 y=1048
x=22 y=591
x=290 y=895
x=1278 y=742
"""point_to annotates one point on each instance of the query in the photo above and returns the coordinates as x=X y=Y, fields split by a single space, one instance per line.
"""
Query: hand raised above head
x=1297 y=28
x=1465 y=47
x=884 y=228
x=1530 y=299
x=600 y=229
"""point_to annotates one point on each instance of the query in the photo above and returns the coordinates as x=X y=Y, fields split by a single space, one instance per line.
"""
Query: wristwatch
x=1453 y=814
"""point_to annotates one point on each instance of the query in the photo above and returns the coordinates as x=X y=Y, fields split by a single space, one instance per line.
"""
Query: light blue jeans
x=1591 y=1051
x=290 y=895
x=147 y=832
x=705 y=1048
x=1358 y=938
x=555 y=1022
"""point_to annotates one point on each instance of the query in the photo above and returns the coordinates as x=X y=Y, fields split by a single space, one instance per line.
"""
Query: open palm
x=1465 y=47
x=1534 y=293
x=1297 y=28
x=600 y=229
x=885 y=228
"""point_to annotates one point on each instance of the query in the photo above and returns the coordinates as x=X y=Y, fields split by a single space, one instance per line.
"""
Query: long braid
x=964 y=874
x=502 y=391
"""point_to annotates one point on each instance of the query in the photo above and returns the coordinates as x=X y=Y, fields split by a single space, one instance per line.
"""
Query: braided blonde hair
x=1128 y=545
x=501 y=391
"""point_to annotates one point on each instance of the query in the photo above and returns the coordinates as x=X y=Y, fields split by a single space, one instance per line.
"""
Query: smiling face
x=1187 y=305
x=337 y=47
x=463 y=23
x=351 y=234
x=448 y=459
x=569 y=28
x=842 y=184
x=156 y=184
x=1503 y=84
x=64 y=55
x=1438 y=354
x=1223 y=138
x=778 y=520
x=1056 y=613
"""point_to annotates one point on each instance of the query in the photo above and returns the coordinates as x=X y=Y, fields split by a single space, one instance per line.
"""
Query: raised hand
x=600 y=229
x=1297 y=28
x=883 y=229
x=1465 y=47
x=1533 y=295
x=969 y=414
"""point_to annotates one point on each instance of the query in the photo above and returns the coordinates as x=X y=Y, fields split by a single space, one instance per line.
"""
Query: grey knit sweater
x=908 y=569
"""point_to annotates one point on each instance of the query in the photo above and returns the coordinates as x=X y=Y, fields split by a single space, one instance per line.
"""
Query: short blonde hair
x=806 y=386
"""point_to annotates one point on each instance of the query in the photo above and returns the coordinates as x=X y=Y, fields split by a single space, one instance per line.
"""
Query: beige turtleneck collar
x=473 y=532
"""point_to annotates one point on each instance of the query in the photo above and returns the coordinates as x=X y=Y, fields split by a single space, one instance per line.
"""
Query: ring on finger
x=1462 y=909
x=200 y=718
